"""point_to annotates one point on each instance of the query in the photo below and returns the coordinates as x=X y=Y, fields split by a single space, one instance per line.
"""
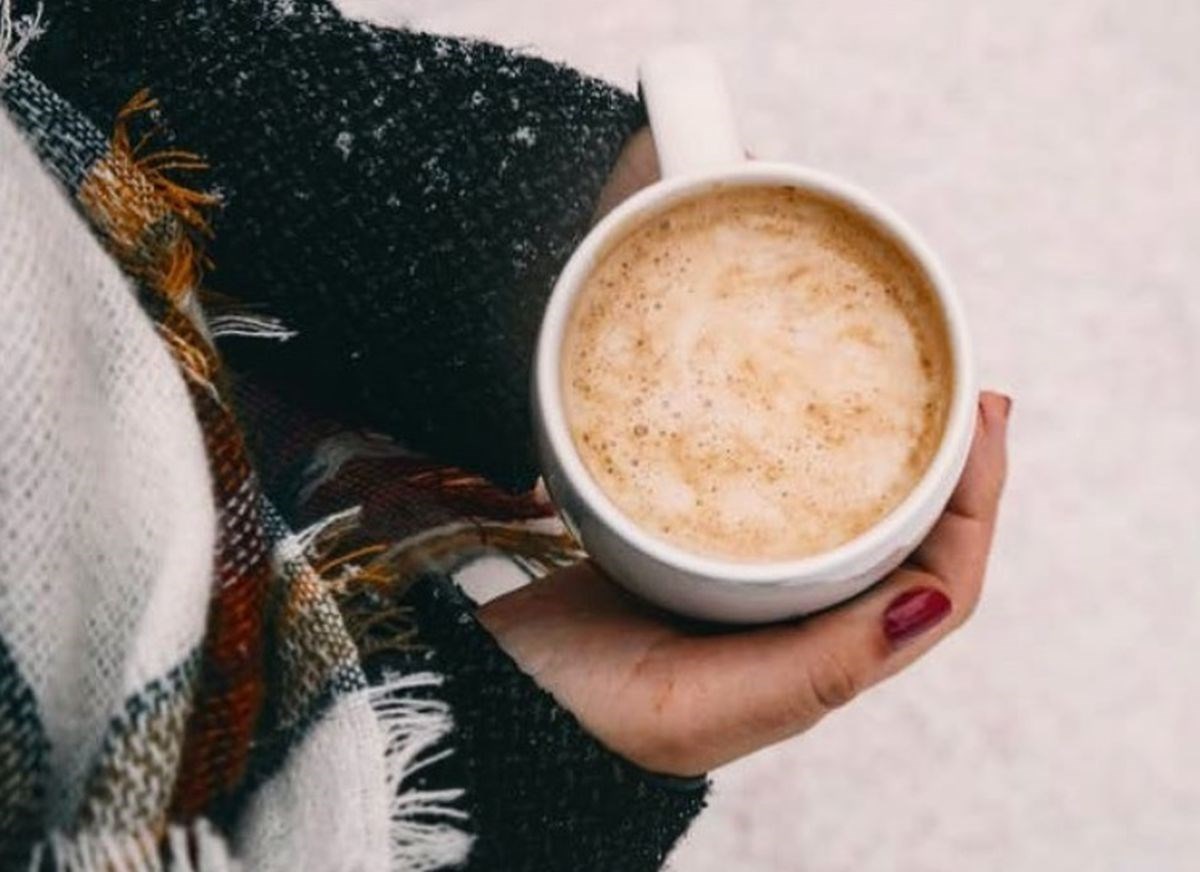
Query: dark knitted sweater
x=403 y=201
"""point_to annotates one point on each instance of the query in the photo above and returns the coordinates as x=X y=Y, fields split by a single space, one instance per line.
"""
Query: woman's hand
x=679 y=698
x=636 y=167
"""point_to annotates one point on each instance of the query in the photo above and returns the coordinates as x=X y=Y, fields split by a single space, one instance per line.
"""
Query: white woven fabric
x=106 y=514
x=107 y=527
x=367 y=815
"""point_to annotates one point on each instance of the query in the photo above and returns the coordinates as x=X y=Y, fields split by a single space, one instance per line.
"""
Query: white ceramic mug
x=692 y=122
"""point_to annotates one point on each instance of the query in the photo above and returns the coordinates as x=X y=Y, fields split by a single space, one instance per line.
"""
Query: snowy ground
x=1051 y=152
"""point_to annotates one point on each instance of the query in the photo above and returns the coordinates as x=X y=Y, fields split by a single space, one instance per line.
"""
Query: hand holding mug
x=680 y=696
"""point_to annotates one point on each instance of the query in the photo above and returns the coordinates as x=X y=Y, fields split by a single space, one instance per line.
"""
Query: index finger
x=978 y=492
x=956 y=549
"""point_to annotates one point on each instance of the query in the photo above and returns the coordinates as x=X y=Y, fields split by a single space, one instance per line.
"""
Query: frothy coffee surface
x=756 y=374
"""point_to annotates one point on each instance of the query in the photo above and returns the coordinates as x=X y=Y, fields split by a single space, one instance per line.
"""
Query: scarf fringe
x=537 y=547
x=249 y=326
x=185 y=203
x=198 y=848
x=304 y=545
x=425 y=830
x=15 y=36
x=425 y=826
x=424 y=823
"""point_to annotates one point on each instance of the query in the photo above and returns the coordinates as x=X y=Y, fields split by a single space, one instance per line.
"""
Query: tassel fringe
x=16 y=35
x=154 y=225
x=424 y=823
x=307 y=544
x=199 y=848
x=249 y=326
x=537 y=547
x=363 y=580
x=318 y=545
x=184 y=202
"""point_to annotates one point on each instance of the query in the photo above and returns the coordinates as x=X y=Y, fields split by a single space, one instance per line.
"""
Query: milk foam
x=756 y=374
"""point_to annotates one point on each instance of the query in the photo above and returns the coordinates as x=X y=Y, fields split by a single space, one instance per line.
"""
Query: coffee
x=756 y=374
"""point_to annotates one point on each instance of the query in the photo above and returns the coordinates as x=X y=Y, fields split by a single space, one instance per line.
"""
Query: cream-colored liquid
x=756 y=374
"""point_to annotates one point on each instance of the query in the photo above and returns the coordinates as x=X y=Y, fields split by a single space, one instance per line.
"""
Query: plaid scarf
x=201 y=753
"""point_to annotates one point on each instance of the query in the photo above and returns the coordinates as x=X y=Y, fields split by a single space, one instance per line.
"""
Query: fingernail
x=913 y=612
x=1007 y=400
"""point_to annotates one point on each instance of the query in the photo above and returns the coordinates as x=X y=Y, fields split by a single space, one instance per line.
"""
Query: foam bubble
x=757 y=375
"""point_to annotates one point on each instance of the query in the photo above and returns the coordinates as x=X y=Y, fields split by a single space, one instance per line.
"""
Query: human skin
x=679 y=697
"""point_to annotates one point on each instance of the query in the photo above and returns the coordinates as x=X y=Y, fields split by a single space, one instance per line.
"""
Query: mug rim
x=827 y=565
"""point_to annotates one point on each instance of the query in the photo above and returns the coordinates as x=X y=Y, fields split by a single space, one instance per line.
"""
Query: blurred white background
x=1051 y=153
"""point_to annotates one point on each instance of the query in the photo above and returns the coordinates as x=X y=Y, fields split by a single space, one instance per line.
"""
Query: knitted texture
x=404 y=200
x=541 y=792
x=402 y=203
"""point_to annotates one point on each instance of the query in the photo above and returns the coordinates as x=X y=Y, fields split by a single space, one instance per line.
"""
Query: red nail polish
x=913 y=612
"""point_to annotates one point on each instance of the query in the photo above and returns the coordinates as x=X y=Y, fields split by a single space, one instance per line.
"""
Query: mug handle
x=690 y=111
